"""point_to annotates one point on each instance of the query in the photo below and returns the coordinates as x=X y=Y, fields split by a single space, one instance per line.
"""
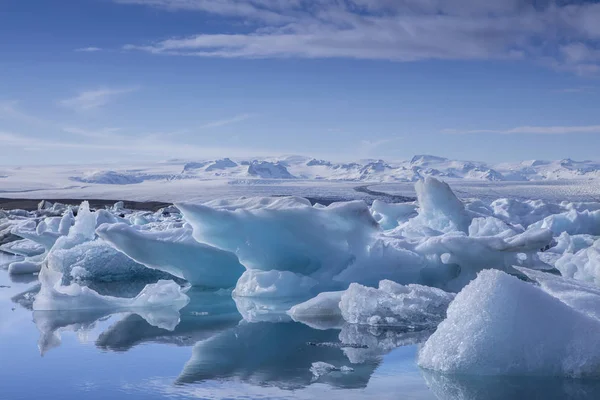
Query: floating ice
x=257 y=283
x=572 y=222
x=54 y=296
x=390 y=215
x=97 y=261
x=175 y=251
x=583 y=265
x=23 y=247
x=412 y=307
x=287 y=234
x=499 y=325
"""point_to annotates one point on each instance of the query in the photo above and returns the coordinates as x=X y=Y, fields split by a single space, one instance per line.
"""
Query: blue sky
x=108 y=81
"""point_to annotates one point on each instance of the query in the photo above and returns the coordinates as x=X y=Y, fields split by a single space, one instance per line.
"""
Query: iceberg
x=287 y=234
x=572 y=222
x=500 y=325
x=411 y=307
x=176 y=252
x=390 y=215
x=54 y=296
x=582 y=265
x=23 y=247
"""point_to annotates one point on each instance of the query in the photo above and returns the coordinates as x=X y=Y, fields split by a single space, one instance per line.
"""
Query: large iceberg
x=287 y=234
x=500 y=325
x=175 y=251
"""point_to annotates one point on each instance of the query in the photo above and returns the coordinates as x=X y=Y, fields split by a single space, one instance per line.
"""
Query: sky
x=88 y=81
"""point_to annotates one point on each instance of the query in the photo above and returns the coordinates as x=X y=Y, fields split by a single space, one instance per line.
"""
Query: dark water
x=220 y=349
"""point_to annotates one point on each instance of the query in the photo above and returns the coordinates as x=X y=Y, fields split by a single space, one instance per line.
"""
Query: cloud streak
x=224 y=122
x=535 y=130
x=94 y=99
x=90 y=49
x=563 y=36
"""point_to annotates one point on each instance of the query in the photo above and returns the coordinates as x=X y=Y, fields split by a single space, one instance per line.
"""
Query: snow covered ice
x=500 y=325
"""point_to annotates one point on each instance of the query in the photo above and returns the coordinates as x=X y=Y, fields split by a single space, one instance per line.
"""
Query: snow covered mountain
x=297 y=168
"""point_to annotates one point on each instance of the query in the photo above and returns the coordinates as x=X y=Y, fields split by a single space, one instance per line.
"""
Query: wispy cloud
x=93 y=99
x=228 y=121
x=578 y=89
x=90 y=49
x=537 y=130
x=402 y=30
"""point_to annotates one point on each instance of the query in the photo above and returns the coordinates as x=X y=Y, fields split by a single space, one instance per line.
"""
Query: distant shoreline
x=32 y=204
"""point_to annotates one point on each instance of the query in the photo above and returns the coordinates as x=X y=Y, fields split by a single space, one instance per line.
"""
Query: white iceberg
x=500 y=325
x=412 y=307
x=54 y=296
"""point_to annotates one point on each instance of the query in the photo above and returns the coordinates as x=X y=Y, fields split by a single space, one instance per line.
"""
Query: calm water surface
x=218 y=348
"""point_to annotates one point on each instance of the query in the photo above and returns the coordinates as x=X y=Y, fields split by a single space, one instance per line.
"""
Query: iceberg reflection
x=451 y=387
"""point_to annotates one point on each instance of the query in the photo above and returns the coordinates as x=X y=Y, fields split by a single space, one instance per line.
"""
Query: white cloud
x=93 y=99
x=229 y=121
x=90 y=49
x=538 y=130
x=563 y=36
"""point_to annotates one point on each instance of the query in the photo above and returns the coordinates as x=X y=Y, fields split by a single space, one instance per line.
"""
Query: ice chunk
x=257 y=283
x=500 y=325
x=439 y=208
x=289 y=236
x=54 y=296
x=490 y=226
x=573 y=222
x=23 y=247
x=175 y=251
x=30 y=265
x=410 y=306
x=389 y=215
x=323 y=306
x=42 y=236
x=584 y=265
x=98 y=261
x=464 y=256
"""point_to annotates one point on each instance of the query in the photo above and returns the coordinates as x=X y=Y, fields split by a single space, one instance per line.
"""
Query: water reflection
x=254 y=343
x=273 y=354
x=447 y=387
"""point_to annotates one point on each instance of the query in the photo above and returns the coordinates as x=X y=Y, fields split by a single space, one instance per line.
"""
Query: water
x=214 y=352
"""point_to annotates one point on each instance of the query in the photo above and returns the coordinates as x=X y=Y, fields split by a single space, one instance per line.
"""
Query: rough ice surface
x=175 y=251
x=257 y=283
x=410 y=306
x=582 y=265
x=389 y=215
x=55 y=296
x=500 y=325
x=97 y=261
x=23 y=247
x=287 y=234
x=581 y=296
x=572 y=222
x=439 y=208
